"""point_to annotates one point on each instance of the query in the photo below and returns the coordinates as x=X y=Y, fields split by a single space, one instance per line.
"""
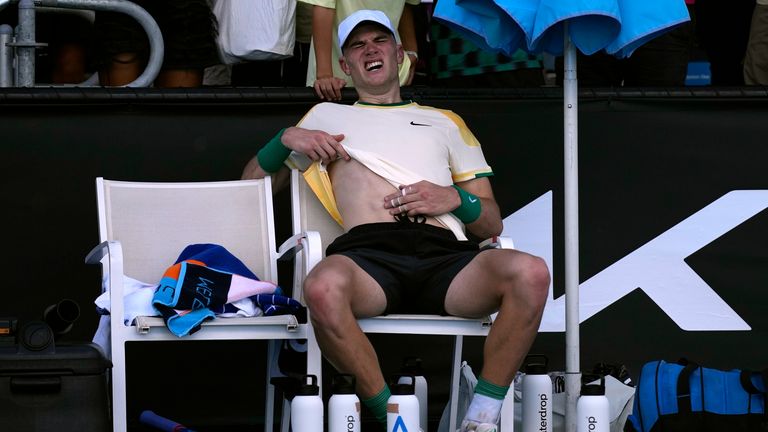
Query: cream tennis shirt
x=402 y=143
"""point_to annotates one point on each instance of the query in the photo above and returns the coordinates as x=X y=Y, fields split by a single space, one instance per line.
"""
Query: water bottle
x=307 y=406
x=403 y=405
x=592 y=413
x=412 y=366
x=343 y=405
x=537 y=395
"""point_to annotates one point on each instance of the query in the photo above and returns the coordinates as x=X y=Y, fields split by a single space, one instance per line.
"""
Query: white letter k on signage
x=657 y=268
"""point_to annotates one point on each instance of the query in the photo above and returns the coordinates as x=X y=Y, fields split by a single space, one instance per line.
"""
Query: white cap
x=349 y=23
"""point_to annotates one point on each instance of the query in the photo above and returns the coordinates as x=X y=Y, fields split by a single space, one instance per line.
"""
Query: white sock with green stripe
x=486 y=402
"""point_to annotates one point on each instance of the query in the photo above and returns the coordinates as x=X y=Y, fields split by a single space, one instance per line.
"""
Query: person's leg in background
x=756 y=60
x=69 y=35
x=121 y=48
x=722 y=28
x=188 y=28
x=662 y=61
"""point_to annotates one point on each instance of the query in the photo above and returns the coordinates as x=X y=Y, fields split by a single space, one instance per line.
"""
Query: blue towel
x=197 y=286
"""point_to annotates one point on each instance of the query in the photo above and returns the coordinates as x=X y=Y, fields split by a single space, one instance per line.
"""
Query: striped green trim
x=491 y=390
x=378 y=404
x=394 y=104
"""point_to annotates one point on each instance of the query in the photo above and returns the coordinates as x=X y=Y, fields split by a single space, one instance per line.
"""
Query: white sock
x=484 y=409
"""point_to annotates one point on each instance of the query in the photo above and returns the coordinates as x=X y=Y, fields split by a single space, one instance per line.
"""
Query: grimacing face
x=371 y=56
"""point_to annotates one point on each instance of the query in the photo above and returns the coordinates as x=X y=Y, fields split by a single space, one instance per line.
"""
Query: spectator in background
x=756 y=60
x=457 y=62
x=189 y=32
x=722 y=28
x=290 y=72
x=323 y=71
x=660 y=62
x=69 y=35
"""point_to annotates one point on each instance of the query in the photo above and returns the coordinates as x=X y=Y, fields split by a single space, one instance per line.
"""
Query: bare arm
x=326 y=85
x=426 y=198
x=489 y=223
x=317 y=145
x=253 y=170
x=407 y=31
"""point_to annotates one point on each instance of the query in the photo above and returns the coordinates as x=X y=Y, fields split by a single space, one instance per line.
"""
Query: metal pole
x=25 y=45
x=156 y=49
x=571 y=174
x=6 y=56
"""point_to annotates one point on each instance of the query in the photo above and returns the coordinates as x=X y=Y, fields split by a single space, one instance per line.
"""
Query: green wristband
x=273 y=154
x=470 y=207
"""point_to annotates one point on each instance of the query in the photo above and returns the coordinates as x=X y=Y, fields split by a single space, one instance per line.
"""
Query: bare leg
x=338 y=292
x=515 y=284
x=126 y=67
x=123 y=69
x=69 y=67
x=174 y=78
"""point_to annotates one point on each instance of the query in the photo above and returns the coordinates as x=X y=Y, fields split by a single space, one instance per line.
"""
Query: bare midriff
x=360 y=194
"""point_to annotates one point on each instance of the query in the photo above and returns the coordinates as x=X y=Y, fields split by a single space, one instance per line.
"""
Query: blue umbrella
x=558 y=27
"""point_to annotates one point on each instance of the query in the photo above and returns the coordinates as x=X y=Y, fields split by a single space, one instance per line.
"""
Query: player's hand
x=422 y=198
x=317 y=145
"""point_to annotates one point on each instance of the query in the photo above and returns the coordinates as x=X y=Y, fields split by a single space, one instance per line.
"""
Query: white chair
x=310 y=217
x=144 y=226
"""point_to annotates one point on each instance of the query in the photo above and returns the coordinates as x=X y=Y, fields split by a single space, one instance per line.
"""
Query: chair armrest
x=290 y=247
x=113 y=270
x=310 y=244
x=97 y=253
x=497 y=242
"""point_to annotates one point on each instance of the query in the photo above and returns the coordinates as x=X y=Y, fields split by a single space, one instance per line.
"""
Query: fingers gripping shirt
x=403 y=143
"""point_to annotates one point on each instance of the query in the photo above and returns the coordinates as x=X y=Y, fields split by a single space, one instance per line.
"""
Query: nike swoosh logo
x=419 y=124
x=472 y=200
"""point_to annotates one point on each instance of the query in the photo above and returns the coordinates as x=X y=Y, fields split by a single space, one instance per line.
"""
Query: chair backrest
x=308 y=212
x=154 y=222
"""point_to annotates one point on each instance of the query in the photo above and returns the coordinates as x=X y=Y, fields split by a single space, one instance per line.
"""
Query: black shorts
x=413 y=262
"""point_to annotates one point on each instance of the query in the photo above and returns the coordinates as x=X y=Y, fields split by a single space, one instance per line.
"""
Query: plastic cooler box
x=64 y=389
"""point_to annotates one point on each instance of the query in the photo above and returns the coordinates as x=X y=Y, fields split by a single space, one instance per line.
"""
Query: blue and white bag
x=684 y=396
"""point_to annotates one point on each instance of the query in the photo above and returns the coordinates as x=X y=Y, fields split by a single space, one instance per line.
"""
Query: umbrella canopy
x=617 y=26
x=561 y=27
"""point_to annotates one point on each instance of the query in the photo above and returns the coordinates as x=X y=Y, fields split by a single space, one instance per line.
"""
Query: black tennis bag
x=684 y=397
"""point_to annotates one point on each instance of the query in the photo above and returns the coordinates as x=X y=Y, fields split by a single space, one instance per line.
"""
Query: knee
x=324 y=298
x=537 y=279
x=530 y=283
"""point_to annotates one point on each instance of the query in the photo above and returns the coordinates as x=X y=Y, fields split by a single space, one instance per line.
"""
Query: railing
x=17 y=49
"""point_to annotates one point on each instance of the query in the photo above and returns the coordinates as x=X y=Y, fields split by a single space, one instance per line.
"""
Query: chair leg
x=458 y=344
x=119 y=400
x=285 y=422
x=314 y=358
x=269 y=409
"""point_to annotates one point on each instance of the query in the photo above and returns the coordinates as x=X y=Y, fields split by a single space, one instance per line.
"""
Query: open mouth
x=374 y=65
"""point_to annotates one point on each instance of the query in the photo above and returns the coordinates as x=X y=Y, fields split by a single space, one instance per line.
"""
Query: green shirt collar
x=402 y=103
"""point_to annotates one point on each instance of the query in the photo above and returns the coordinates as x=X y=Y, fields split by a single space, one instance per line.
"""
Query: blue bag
x=684 y=396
